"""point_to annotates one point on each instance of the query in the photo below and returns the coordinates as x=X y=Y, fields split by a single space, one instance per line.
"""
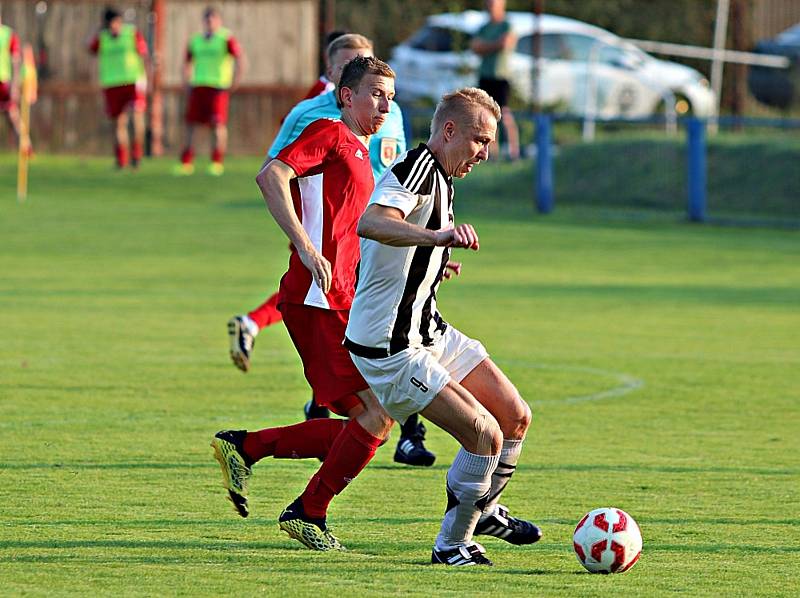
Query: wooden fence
x=279 y=38
x=773 y=16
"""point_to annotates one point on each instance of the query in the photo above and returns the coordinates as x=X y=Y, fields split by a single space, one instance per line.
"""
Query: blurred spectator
x=9 y=76
x=122 y=56
x=214 y=65
x=494 y=43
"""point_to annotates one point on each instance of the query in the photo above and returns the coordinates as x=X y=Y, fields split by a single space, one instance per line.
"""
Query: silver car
x=582 y=69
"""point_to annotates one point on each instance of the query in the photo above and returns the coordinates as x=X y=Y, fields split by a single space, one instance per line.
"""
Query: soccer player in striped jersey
x=316 y=190
x=384 y=147
x=413 y=360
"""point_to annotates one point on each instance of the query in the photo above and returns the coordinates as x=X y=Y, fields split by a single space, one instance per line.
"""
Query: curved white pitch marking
x=626 y=382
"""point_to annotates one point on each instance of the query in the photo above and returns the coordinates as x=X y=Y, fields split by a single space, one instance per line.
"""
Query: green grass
x=661 y=360
x=748 y=174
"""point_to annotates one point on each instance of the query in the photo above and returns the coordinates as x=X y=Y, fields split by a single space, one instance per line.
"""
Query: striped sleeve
x=414 y=171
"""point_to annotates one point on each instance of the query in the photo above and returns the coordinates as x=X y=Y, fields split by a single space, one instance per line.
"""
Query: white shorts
x=408 y=381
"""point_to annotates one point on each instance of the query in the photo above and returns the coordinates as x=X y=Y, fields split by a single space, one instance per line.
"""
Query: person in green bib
x=9 y=76
x=494 y=43
x=214 y=64
x=122 y=56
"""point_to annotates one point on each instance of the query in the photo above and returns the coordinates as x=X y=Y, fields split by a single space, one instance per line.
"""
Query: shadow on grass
x=576 y=467
x=388 y=521
x=356 y=549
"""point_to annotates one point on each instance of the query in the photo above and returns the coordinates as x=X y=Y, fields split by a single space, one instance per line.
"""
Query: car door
x=556 y=80
x=605 y=78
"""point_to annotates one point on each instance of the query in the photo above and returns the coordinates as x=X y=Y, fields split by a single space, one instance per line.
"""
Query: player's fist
x=463 y=235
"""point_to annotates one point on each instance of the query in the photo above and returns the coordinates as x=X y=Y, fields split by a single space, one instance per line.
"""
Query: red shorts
x=5 y=97
x=317 y=335
x=207 y=106
x=120 y=97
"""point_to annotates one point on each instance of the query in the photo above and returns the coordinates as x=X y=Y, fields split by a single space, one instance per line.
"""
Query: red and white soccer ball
x=607 y=540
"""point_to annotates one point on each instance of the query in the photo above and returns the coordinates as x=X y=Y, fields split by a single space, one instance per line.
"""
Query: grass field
x=661 y=360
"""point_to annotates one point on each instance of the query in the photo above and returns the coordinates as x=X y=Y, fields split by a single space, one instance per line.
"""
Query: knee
x=489 y=436
x=379 y=422
x=517 y=419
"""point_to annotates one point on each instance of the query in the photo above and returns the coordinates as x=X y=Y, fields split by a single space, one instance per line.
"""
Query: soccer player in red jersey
x=316 y=190
x=9 y=76
x=214 y=64
x=122 y=58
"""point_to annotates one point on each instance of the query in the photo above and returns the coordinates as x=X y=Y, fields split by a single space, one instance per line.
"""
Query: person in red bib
x=9 y=76
x=122 y=60
x=316 y=190
x=214 y=64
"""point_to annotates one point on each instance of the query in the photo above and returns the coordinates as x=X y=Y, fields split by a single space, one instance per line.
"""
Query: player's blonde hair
x=348 y=41
x=460 y=105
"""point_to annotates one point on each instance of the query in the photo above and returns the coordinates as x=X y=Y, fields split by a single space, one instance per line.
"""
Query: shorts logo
x=388 y=150
x=419 y=384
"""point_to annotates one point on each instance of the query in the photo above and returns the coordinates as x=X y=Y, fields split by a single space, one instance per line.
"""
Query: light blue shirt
x=384 y=146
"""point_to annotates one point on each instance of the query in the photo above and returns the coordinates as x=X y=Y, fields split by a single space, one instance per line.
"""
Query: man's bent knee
x=488 y=436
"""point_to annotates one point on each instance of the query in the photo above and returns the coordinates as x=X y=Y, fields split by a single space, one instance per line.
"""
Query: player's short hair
x=110 y=14
x=334 y=35
x=355 y=70
x=460 y=105
x=348 y=41
x=211 y=11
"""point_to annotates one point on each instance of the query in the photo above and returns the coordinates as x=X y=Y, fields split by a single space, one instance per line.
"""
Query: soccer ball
x=607 y=541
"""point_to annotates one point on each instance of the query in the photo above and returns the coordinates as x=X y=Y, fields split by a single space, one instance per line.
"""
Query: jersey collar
x=436 y=163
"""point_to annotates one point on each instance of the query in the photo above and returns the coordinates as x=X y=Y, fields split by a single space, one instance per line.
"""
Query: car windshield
x=440 y=39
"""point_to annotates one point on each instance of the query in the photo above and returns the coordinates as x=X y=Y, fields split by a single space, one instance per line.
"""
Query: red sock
x=216 y=155
x=136 y=151
x=312 y=438
x=267 y=313
x=350 y=453
x=187 y=156
x=121 y=152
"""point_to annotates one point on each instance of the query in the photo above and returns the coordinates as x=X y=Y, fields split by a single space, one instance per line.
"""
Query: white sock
x=251 y=326
x=468 y=483
x=509 y=455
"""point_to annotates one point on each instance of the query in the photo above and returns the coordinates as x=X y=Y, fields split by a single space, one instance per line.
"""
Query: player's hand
x=451 y=269
x=319 y=267
x=463 y=235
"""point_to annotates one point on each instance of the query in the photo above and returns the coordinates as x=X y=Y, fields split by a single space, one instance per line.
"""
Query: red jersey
x=321 y=85
x=333 y=185
x=13 y=45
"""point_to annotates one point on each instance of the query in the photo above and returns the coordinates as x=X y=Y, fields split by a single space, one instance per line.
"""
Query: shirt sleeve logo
x=388 y=150
x=359 y=154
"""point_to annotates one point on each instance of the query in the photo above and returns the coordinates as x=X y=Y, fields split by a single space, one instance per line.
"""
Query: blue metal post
x=544 y=164
x=696 y=168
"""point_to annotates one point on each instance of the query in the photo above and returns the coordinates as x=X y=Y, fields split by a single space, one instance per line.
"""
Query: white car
x=622 y=80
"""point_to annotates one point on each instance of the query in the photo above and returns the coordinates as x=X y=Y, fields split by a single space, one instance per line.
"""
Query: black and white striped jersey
x=395 y=303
